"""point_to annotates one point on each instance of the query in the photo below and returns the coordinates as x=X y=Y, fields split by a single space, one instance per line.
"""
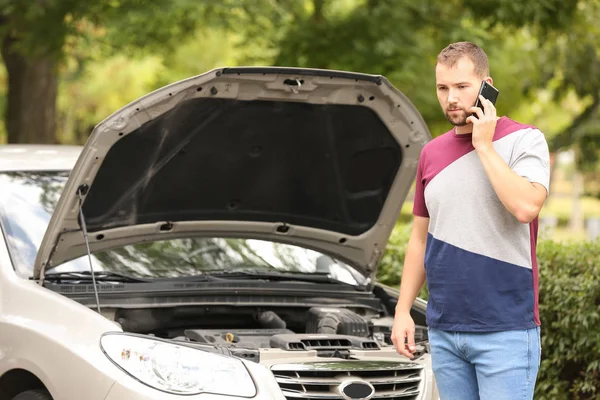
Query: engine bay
x=331 y=332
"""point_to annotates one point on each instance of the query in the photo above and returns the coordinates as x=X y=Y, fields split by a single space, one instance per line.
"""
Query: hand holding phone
x=484 y=121
x=489 y=92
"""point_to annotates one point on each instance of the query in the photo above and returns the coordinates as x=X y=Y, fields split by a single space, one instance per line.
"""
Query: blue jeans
x=485 y=366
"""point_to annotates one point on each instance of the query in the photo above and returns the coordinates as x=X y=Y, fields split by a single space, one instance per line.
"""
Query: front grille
x=323 y=380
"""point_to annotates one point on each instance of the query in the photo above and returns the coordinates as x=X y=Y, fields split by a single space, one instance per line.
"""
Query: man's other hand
x=403 y=334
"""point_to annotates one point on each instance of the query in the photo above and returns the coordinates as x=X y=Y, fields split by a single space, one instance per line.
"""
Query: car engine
x=312 y=353
x=290 y=329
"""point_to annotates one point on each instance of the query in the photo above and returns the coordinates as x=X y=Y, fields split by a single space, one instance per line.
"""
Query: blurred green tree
x=544 y=55
x=36 y=37
x=400 y=38
x=572 y=59
x=397 y=38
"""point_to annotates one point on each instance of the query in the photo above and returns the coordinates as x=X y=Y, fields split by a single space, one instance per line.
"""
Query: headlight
x=177 y=369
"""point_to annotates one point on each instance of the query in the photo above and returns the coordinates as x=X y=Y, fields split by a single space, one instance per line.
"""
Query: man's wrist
x=401 y=309
x=484 y=150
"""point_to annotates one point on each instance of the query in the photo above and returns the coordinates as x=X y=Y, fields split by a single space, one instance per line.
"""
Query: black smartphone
x=489 y=92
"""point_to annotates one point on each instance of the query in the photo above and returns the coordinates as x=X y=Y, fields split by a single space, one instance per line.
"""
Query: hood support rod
x=80 y=192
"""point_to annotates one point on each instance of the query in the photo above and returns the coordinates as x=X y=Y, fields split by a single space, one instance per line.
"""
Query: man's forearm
x=413 y=275
x=520 y=197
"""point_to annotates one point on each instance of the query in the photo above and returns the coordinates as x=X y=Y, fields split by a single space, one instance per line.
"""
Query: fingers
x=488 y=112
x=477 y=111
x=405 y=343
x=489 y=106
x=405 y=352
x=410 y=342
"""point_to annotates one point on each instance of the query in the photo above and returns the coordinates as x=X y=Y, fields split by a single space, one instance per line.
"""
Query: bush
x=570 y=314
x=569 y=310
x=390 y=267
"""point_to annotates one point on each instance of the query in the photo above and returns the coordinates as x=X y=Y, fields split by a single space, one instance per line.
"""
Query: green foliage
x=157 y=26
x=543 y=43
x=398 y=39
x=82 y=106
x=569 y=310
x=543 y=15
x=570 y=59
x=561 y=207
x=390 y=266
x=3 y=85
x=570 y=314
x=205 y=50
x=44 y=26
x=88 y=92
x=401 y=38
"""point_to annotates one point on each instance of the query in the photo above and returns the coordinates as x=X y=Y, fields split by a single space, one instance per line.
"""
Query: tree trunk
x=317 y=16
x=32 y=92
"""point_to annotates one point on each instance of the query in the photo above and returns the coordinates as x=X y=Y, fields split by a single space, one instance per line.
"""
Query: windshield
x=27 y=200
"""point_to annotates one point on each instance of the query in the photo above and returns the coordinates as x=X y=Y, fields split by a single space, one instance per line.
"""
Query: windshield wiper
x=101 y=276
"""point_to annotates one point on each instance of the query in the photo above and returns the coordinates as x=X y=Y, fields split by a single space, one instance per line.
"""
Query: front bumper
x=128 y=388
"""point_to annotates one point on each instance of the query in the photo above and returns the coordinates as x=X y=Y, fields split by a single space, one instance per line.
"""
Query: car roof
x=38 y=157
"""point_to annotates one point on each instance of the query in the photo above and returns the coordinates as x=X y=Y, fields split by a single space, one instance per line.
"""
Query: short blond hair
x=455 y=51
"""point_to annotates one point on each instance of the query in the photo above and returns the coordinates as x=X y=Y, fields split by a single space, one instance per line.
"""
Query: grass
x=561 y=186
x=565 y=235
x=562 y=207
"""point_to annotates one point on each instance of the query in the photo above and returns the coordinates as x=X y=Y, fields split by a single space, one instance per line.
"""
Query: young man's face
x=457 y=89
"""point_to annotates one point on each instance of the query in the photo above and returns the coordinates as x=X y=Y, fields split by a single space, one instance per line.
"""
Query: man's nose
x=451 y=96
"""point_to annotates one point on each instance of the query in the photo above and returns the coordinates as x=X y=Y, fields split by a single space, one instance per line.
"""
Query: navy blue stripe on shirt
x=470 y=292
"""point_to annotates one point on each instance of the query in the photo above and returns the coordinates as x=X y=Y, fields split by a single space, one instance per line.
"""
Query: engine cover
x=256 y=338
x=299 y=342
x=341 y=321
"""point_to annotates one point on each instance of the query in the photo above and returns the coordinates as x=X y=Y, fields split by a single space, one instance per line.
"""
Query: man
x=479 y=190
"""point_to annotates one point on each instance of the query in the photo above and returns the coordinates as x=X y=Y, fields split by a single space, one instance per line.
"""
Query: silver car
x=216 y=239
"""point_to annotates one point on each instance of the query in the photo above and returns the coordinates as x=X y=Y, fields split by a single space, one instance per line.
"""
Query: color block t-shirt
x=480 y=261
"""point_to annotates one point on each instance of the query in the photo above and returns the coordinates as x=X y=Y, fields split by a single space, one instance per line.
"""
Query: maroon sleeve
x=419 y=207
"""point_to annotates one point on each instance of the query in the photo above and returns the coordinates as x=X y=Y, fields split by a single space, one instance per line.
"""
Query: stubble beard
x=457 y=120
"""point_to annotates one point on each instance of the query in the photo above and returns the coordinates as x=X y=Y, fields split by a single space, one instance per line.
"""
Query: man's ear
x=489 y=80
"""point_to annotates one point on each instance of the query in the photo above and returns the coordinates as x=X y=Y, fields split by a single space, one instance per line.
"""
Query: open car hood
x=315 y=158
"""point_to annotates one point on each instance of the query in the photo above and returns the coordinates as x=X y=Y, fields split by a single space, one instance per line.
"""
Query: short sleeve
x=531 y=158
x=419 y=206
